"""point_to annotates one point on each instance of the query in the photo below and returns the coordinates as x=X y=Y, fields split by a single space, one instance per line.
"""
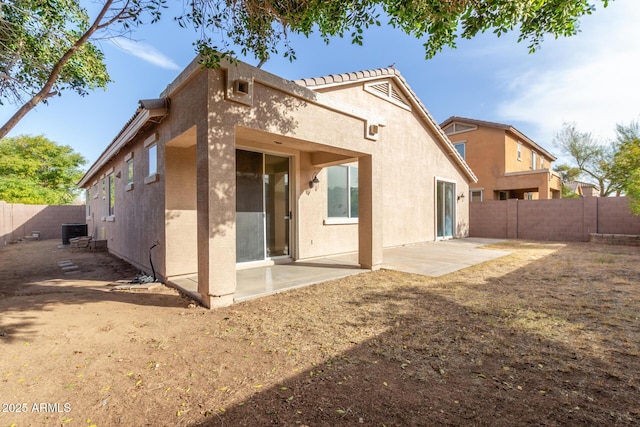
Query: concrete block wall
x=488 y=219
x=18 y=220
x=552 y=220
x=614 y=217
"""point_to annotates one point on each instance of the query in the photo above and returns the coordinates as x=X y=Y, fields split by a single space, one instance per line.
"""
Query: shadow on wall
x=271 y=112
x=18 y=220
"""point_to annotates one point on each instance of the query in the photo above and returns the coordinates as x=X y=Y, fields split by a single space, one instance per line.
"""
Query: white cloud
x=590 y=79
x=145 y=52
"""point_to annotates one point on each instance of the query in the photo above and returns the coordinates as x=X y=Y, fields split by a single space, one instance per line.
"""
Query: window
x=519 y=151
x=342 y=193
x=103 y=193
x=541 y=162
x=153 y=159
x=529 y=196
x=129 y=185
x=476 y=196
x=129 y=161
x=461 y=147
x=87 y=197
x=533 y=160
x=112 y=194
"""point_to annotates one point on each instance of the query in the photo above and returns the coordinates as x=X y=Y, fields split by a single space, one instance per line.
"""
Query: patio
x=430 y=259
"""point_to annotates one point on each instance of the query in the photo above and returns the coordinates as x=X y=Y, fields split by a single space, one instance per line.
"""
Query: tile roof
x=498 y=126
x=332 y=79
x=365 y=75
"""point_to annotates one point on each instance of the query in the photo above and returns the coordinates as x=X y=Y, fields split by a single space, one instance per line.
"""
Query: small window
x=533 y=160
x=153 y=159
x=476 y=195
x=462 y=149
x=87 y=197
x=342 y=194
x=541 y=162
x=129 y=185
x=103 y=195
x=112 y=194
x=529 y=196
x=519 y=151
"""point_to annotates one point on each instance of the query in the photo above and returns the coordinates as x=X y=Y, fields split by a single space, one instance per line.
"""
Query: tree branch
x=46 y=90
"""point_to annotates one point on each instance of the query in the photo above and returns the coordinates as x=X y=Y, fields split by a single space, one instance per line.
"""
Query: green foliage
x=567 y=172
x=36 y=35
x=626 y=168
x=46 y=48
x=592 y=158
x=261 y=27
x=568 y=193
x=35 y=170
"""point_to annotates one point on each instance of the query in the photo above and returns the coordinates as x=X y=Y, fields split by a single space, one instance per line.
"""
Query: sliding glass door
x=445 y=209
x=262 y=206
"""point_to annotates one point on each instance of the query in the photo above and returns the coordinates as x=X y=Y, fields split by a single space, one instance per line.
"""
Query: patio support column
x=216 y=180
x=369 y=213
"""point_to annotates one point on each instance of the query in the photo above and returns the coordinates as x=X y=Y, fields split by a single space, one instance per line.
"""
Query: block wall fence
x=552 y=220
x=18 y=220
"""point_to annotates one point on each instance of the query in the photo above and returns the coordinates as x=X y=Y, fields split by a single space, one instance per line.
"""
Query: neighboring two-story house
x=507 y=163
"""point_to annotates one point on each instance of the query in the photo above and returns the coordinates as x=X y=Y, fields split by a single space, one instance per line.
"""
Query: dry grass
x=547 y=336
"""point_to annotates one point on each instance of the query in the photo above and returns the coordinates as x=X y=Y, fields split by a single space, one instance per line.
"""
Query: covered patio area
x=430 y=259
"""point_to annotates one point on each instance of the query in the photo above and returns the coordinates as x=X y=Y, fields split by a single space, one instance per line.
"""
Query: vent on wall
x=388 y=91
x=456 y=127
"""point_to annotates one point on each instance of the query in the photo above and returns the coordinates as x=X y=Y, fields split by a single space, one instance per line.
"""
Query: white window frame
x=151 y=146
x=87 y=197
x=471 y=191
x=533 y=160
x=111 y=195
x=519 y=151
x=464 y=149
x=329 y=220
x=130 y=171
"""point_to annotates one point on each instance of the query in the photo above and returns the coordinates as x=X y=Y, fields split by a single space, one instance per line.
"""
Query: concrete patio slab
x=430 y=259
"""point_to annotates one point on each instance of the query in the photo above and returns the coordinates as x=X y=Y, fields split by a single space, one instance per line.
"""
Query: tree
x=592 y=158
x=568 y=174
x=35 y=170
x=259 y=27
x=626 y=167
x=45 y=48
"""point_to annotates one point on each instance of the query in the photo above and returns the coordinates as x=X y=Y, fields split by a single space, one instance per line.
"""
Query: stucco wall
x=412 y=161
x=19 y=220
x=552 y=220
x=190 y=208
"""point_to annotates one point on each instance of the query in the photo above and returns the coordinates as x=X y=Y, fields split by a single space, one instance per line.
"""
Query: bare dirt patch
x=546 y=336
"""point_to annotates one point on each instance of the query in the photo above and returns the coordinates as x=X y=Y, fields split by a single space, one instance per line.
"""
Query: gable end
x=457 y=127
x=389 y=92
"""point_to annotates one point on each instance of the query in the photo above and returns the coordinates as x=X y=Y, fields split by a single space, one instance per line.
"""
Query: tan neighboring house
x=237 y=167
x=583 y=189
x=507 y=163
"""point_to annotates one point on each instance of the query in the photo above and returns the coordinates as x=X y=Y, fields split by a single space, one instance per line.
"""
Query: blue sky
x=590 y=79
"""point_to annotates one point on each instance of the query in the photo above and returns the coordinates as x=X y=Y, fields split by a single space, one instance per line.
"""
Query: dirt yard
x=547 y=336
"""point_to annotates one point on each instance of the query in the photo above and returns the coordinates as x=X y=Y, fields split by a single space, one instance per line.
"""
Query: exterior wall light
x=314 y=182
x=460 y=196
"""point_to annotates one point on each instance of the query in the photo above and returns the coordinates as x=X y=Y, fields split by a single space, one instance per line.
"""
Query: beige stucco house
x=237 y=167
x=508 y=164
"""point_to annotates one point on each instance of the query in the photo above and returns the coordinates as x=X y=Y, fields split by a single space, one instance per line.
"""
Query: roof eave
x=147 y=111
